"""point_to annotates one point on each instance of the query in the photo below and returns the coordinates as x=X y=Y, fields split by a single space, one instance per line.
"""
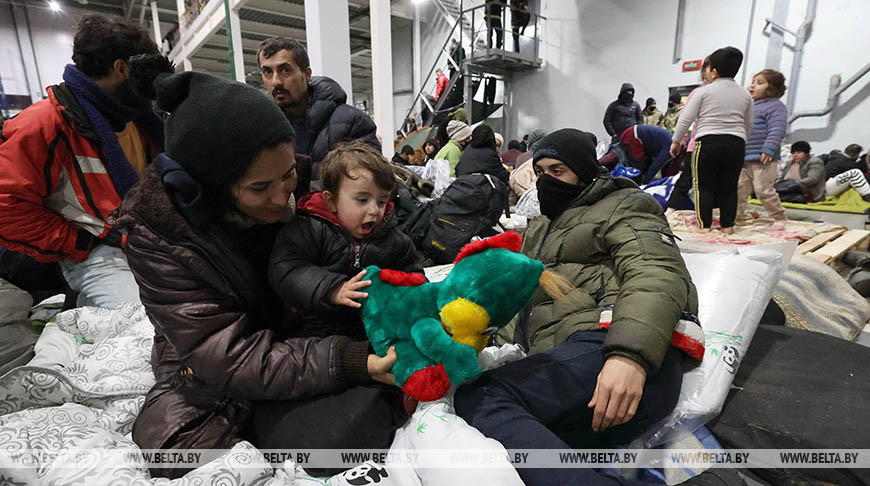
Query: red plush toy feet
x=427 y=384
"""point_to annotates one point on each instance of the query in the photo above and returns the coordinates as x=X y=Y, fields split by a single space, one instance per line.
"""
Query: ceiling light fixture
x=54 y=6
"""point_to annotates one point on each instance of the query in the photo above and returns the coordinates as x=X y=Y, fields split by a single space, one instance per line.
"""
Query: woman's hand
x=618 y=392
x=346 y=292
x=675 y=149
x=379 y=368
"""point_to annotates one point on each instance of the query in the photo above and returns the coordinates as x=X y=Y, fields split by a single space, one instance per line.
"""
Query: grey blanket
x=815 y=297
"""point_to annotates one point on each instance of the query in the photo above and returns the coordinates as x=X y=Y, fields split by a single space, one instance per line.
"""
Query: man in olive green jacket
x=675 y=105
x=601 y=367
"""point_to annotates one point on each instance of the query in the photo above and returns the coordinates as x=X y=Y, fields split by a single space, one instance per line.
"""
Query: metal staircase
x=451 y=10
x=469 y=26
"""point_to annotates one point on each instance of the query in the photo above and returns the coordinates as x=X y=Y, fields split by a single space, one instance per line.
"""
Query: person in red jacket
x=66 y=162
x=442 y=82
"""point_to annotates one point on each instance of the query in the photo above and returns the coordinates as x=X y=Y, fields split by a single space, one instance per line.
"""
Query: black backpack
x=413 y=216
x=470 y=206
x=790 y=191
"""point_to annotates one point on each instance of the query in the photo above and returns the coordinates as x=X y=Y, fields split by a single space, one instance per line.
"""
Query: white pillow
x=734 y=288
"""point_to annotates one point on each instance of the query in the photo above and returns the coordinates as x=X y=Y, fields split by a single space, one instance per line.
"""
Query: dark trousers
x=716 y=165
x=494 y=26
x=681 y=189
x=489 y=94
x=40 y=280
x=540 y=403
x=518 y=30
x=362 y=417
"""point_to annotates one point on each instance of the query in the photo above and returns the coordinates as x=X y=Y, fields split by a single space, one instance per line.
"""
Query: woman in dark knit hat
x=601 y=367
x=480 y=157
x=200 y=229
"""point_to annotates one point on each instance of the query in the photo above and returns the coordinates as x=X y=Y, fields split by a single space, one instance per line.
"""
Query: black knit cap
x=576 y=149
x=800 y=146
x=216 y=127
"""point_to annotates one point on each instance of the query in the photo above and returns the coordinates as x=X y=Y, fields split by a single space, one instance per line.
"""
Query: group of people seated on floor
x=204 y=215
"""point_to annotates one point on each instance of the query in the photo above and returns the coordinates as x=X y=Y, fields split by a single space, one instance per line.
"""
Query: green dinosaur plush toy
x=438 y=328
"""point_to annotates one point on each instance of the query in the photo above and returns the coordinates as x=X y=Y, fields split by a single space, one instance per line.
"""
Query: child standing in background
x=684 y=183
x=724 y=120
x=762 y=148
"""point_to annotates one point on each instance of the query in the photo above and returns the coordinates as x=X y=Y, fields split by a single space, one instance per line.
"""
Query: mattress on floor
x=848 y=202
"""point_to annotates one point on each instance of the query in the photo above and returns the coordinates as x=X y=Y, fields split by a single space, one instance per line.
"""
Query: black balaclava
x=624 y=95
x=576 y=149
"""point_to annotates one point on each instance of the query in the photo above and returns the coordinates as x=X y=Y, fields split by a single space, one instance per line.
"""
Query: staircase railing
x=423 y=85
x=472 y=16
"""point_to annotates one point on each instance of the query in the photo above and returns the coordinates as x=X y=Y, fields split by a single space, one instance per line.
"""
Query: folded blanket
x=816 y=298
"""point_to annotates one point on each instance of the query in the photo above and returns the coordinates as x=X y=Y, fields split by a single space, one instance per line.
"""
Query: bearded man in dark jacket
x=622 y=113
x=316 y=106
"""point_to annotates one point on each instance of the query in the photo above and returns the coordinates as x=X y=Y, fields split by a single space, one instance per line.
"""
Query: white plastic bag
x=734 y=287
x=436 y=428
x=601 y=148
x=437 y=172
x=528 y=204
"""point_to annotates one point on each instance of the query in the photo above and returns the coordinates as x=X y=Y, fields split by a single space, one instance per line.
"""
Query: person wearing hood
x=68 y=161
x=601 y=367
x=315 y=105
x=481 y=156
x=651 y=114
x=200 y=229
x=669 y=120
x=622 y=113
x=459 y=133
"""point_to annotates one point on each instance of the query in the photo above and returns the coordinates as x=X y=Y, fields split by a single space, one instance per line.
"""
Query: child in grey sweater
x=724 y=120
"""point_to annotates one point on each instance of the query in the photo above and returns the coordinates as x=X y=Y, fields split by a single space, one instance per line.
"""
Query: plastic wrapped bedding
x=437 y=171
x=734 y=287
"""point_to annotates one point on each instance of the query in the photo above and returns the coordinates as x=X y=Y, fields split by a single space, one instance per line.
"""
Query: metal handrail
x=431 y=70
x=534 y=21
x=475 y=36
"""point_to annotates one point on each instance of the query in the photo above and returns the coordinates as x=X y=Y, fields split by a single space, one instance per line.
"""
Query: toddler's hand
x=346 y=292
x=379 y=368
x=675 y=149
x=766 y=159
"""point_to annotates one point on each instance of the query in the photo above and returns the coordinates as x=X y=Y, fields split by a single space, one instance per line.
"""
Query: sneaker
x=778 y=225
x=866 y=197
